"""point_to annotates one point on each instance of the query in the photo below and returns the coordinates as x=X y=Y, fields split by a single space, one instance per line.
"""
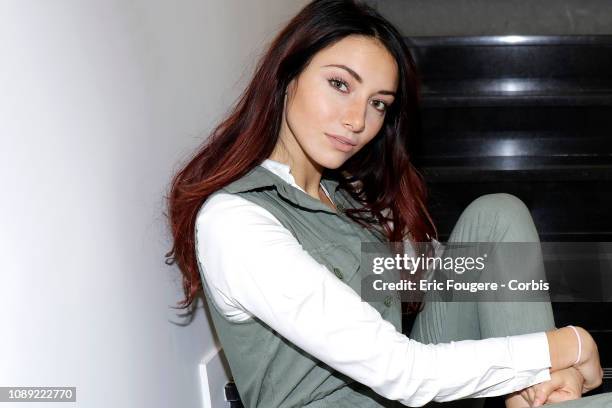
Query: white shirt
x=255 y=267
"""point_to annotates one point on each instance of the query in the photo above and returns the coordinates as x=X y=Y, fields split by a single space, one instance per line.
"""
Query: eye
x=338 y=83
x=382 y=106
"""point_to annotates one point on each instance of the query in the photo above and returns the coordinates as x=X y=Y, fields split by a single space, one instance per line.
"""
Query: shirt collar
x=282 y=170
x=273 y=174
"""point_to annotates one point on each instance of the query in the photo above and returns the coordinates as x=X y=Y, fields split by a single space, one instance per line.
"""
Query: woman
x=269 y=215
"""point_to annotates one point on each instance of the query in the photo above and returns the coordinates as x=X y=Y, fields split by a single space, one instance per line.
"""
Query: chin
x=333 y=161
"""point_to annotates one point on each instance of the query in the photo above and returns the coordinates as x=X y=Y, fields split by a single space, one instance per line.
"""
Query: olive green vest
x=269 y=371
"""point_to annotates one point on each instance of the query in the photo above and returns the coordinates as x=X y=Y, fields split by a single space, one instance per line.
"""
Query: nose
x=354 y=116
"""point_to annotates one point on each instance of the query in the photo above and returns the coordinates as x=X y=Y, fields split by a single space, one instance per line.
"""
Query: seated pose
x=269 y=215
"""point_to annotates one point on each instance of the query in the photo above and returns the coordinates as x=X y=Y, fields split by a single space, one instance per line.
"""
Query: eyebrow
x=357 y=77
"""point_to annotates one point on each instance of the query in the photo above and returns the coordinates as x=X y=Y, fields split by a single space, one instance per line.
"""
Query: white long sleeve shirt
x=255 y=267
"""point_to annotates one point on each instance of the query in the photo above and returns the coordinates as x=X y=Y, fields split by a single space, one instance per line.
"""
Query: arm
x=259 y=267
x=575 y=369
x=563 y=346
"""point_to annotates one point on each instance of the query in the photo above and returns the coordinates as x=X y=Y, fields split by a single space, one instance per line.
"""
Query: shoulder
x=227 y=206
x=230 y=217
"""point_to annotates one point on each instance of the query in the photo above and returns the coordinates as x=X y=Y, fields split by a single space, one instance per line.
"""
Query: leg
x=491 y=218
x=503 y=218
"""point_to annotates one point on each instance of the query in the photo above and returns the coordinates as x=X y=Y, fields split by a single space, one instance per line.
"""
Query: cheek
x=316 y=105
x=374 y=123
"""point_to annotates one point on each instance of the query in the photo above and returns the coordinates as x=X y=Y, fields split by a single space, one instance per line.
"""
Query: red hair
x=391 y=190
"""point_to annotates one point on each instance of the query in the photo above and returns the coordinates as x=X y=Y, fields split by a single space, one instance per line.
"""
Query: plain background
x=100 y=101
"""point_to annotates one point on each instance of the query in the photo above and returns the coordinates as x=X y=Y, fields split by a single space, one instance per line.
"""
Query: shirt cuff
x=530 y=351
x=531 y=357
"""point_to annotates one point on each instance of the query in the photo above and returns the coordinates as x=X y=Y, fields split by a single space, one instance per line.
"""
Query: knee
x=501 y=209
x=502 y=204
x=496 y=217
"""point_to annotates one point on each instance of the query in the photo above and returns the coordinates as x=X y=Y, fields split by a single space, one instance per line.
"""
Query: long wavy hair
x=390 y=189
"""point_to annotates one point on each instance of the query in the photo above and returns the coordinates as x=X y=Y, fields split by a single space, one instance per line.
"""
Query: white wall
x=100 y=100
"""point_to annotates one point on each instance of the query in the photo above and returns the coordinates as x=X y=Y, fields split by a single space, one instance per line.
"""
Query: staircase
x=529 y=116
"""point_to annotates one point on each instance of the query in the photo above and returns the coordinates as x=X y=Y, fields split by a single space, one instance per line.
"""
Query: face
x=338 y=102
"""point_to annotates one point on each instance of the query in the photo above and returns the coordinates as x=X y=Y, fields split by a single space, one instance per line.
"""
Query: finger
x=526 y=397
x=529 y=392
x=541 y=394
x=560 y=396
x=543 y=390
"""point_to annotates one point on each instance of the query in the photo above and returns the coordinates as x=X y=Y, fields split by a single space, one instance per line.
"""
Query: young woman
x=268 y=217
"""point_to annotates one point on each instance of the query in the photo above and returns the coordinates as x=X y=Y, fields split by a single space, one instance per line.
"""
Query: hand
x=564 y=385
x=589 y=364
x=564 y=348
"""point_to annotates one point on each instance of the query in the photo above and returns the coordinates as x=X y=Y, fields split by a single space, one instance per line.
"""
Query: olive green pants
x=491 y=218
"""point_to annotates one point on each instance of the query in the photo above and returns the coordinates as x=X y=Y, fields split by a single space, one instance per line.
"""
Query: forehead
x=365 y=55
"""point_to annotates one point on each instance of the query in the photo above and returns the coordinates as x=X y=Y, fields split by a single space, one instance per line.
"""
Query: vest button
x=339 y=208
x=338 y=273
x=388 y=301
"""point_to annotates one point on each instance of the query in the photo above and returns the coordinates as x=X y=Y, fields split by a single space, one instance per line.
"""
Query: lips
x=339 y=144
x=342 y=139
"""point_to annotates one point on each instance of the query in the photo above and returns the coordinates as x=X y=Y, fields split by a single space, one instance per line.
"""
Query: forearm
x=563 y=346
x=567 y=350
x=564 y=350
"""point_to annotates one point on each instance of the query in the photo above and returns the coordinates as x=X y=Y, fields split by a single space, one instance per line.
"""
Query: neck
x=306 y=173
